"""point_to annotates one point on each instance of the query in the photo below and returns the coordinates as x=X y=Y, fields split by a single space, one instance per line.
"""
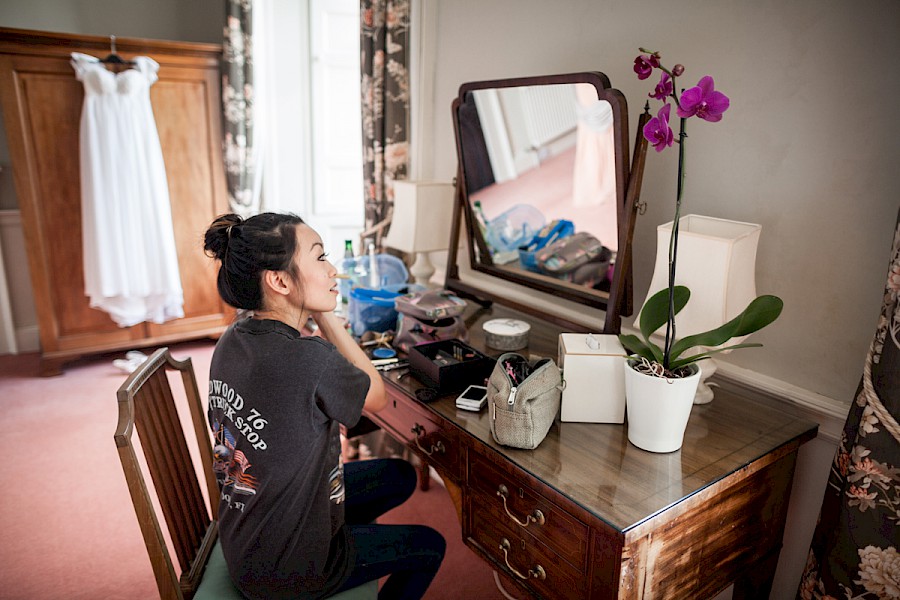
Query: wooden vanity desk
x=588 y=515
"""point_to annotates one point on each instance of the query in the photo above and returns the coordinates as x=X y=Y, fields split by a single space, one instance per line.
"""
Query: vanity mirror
x=540 y=155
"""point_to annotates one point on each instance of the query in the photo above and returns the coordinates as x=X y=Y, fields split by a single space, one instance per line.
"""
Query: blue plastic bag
x=556 y=230
x=390 y=271
x=514 y=227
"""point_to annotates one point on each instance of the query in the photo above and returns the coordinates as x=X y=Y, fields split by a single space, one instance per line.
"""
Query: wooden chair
x=147 y=404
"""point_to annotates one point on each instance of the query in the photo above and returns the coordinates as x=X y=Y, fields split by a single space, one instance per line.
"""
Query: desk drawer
x=423 y=432
x=512 y=501
x=525 y=558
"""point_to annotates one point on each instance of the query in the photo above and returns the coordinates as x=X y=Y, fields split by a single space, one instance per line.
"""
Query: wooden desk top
x=596 y=467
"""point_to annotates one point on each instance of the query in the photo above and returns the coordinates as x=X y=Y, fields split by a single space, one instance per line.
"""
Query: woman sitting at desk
x=295 y=522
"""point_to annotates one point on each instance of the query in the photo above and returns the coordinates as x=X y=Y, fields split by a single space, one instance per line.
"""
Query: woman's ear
x=278 y=282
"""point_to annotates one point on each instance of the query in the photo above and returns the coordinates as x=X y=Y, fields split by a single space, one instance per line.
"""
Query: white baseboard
x=828 y=412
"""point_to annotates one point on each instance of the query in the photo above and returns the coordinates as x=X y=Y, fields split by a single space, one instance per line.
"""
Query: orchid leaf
x=655 y=312
x=758 y=314
x=697 y=357
x=634 y=345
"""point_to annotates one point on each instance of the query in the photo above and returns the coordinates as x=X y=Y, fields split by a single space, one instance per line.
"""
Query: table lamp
x=717 y=262
x=423 y=211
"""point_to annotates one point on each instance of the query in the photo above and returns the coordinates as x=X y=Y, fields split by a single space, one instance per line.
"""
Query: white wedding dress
x=130 y=264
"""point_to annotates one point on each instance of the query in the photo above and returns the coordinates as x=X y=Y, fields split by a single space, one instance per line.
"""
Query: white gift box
x=593 y=369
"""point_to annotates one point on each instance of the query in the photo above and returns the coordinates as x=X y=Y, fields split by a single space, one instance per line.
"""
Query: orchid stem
x=673 y=247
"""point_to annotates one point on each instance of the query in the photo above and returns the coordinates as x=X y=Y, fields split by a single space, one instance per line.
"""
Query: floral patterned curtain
x=384 y=46
x=854 y=551
x=237 y=104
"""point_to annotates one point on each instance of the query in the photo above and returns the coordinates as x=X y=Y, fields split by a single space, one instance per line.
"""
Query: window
x=311 y=115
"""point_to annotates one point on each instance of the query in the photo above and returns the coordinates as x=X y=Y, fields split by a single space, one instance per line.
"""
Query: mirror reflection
x=540 y=172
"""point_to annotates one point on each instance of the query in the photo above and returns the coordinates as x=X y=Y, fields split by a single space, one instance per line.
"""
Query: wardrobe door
x=41 y=102
x=186 y=107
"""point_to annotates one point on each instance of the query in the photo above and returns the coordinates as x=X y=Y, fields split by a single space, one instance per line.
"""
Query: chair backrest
x=148 y=406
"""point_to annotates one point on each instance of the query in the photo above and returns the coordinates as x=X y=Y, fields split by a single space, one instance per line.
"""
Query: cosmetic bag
x=412 y=330
x=566 y=255
x=430 y=304
x=429 y=316
x=592 y=273
x=524 y=400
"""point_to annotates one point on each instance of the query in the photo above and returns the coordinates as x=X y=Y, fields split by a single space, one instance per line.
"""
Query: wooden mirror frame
x=618 y=301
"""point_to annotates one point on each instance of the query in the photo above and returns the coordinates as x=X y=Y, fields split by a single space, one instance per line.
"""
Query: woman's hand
x=332 y=329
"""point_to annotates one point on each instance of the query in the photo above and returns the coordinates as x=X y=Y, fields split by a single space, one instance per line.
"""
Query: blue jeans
x=410 y=554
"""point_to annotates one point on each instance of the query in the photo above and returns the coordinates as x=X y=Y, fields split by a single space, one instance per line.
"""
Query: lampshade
x=423 y=211
x=717 y=262
x=422 y=214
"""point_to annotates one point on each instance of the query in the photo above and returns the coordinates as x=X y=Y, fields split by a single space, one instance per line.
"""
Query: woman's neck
x=289 y=315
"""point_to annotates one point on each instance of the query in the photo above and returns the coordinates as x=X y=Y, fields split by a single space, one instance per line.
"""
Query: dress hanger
x=113 y=58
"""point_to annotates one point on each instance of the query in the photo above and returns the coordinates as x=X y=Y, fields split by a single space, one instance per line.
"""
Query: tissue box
x=595 y=378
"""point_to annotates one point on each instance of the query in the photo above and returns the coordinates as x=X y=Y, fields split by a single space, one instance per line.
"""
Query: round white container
x=506 y=334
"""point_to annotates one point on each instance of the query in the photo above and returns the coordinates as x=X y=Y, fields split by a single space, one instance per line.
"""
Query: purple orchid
x=704 y=101
x=664 y=88
x=657 y=130
x=644 y=65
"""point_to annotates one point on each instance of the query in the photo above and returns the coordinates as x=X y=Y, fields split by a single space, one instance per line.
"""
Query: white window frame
x=286 y=109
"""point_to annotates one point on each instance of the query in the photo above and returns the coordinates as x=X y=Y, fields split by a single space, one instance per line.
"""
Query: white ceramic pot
x=658 y=409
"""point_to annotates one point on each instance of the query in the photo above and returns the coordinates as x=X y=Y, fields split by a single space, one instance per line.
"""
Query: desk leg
x=756 y=582
x=455 y=493
x=424 y=476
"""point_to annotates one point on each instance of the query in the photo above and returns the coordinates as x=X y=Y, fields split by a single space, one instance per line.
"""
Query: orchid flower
x=644 y=65
x=664 y=88
x=657 y=130
x=704 y=101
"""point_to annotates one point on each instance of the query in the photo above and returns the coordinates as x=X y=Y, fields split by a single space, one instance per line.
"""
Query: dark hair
x=246 y=248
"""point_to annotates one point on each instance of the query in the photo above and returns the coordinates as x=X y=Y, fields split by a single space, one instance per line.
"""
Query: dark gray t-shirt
x=276 y=399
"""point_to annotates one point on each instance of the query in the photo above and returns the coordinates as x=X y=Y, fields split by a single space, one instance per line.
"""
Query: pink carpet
x=69 y=529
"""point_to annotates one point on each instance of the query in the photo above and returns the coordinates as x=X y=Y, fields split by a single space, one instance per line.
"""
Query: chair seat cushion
x=216 y=583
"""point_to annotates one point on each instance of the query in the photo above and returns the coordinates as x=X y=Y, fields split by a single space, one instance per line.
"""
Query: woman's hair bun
x=215 y=242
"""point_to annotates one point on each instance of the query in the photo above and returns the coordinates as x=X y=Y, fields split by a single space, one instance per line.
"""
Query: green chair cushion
x=216 y=583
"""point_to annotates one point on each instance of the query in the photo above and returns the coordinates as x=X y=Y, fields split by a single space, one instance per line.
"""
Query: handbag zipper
x=512 y=395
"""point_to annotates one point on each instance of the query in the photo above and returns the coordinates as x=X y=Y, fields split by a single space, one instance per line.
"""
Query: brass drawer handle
x=438 y=447
x=536 y=517
x=537 y=572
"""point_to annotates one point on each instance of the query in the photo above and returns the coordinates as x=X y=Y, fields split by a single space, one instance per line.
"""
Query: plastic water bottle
x=346 y=267
x=374 y=277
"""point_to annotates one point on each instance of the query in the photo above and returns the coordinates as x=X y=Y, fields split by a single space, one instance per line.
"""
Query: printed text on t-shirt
x=223 y=397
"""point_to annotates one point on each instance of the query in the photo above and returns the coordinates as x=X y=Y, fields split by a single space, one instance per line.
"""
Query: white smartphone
x=473 y=398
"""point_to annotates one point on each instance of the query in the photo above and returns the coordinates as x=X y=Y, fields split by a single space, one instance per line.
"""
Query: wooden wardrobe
x=41 y=102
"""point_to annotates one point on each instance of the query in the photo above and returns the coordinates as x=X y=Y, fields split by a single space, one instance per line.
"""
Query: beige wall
x=808 y=149
x=190 y=21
